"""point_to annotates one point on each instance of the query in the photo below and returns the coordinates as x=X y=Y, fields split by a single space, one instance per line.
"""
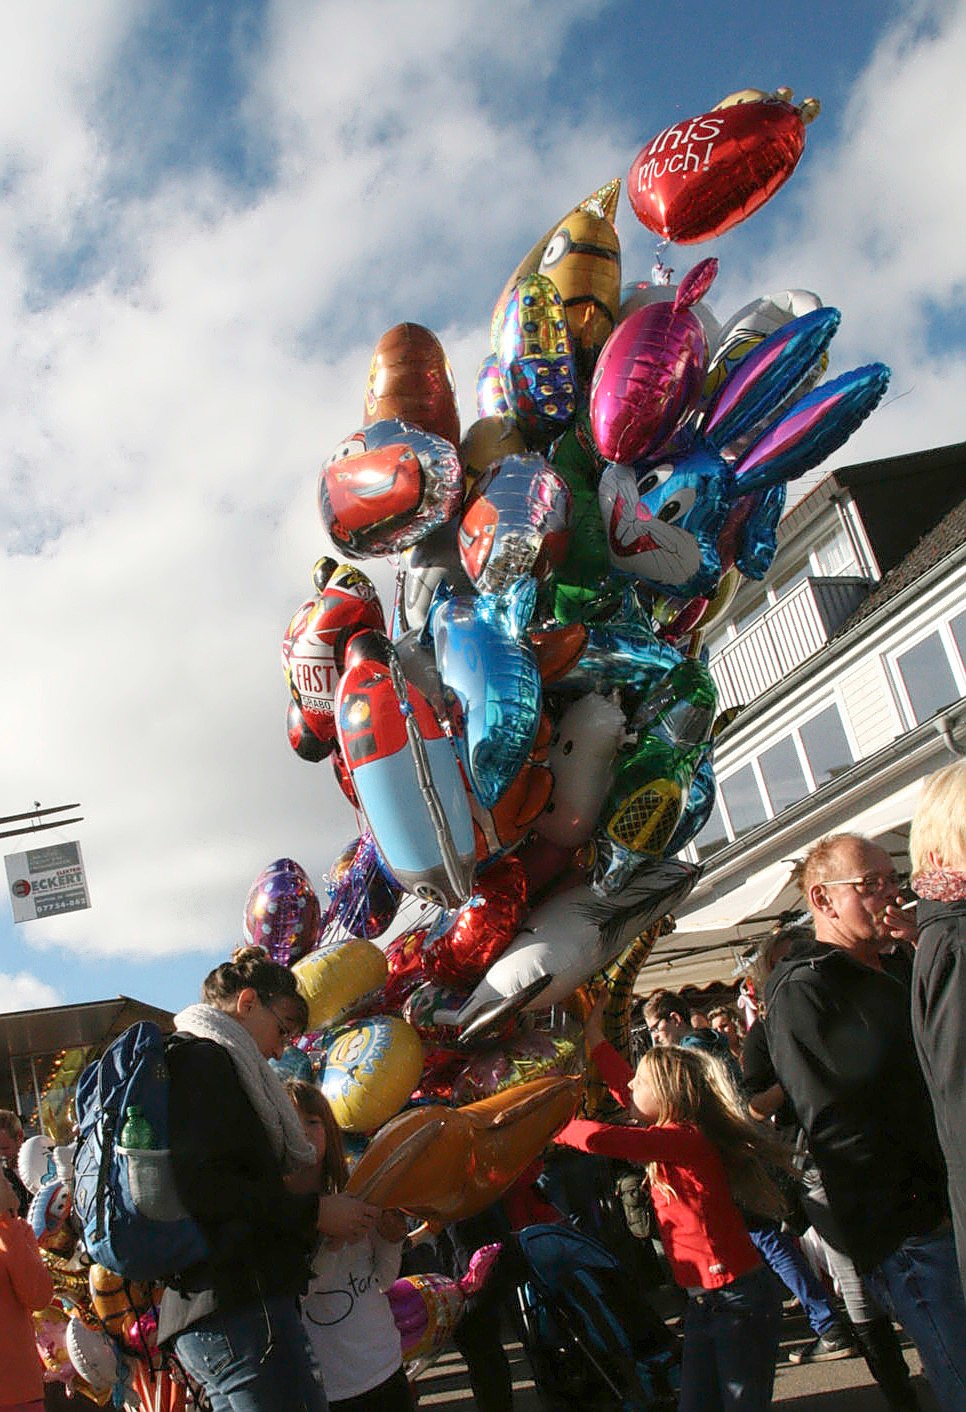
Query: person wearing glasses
x=840 y=1039
x=246 y=1172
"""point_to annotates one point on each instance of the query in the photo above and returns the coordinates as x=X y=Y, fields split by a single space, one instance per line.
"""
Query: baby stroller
x=592 y=1339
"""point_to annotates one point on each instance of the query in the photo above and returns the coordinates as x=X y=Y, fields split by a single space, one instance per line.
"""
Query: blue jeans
x=921 y=1286
x=778 y=1250
x=253 y=1359
x=730 y=1346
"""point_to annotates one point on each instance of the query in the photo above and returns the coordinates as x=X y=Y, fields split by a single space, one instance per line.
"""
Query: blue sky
x=211 y=211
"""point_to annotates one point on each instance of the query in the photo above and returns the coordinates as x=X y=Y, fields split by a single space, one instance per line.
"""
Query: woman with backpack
x=245 y=1171
x=707 y=1162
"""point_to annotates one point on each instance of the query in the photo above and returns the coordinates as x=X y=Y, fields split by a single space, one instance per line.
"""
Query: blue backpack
x=125 y=1198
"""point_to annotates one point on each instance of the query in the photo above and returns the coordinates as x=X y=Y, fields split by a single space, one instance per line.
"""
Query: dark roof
x=943 y=540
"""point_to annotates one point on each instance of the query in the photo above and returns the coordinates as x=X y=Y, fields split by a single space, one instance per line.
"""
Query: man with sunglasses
x=840 y=1039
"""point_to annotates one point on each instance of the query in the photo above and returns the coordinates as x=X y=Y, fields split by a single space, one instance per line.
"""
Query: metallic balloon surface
x=489 y=440
x=516 y=522
x=345 y=601
x=371 y=1068
x=490 y=397
x=648 y=378
x=282 y=914
x=387 y=486
x=396 y=749
x=701 y=176
x=484 y=927
x=526 y=1055
x=445 y=1164
x=410 y=378
x=583 y=258
x=364 y=897
x=491 y=683
x=537 y=363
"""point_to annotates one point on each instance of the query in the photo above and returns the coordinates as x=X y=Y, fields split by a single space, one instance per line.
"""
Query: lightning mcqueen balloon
x=388 y=486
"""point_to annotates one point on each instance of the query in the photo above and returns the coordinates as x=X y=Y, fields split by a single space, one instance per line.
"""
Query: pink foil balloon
x=650 y=373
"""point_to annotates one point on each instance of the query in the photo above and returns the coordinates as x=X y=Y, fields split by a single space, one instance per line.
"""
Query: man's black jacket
x=840 y=1038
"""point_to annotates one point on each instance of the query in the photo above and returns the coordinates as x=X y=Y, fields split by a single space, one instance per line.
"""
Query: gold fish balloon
x=445 y=1164
x=583 y=258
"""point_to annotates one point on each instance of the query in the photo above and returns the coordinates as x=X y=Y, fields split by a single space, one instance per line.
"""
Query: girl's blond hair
x=691 y=1086
x=309 y=1098
x=939 y=823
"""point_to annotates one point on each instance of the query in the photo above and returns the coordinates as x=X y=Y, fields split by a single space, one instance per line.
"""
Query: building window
x=743 y=801
x=834 y=556
x=751 y=614
x=826 y=747
x=714 y=834
x=783 y=774
x=927 y=677
x=958 y=629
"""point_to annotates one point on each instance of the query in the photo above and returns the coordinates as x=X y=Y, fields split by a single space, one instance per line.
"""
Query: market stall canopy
x=32 y=1040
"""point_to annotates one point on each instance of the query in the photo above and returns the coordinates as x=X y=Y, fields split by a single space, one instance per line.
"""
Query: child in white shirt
x=347 y=1317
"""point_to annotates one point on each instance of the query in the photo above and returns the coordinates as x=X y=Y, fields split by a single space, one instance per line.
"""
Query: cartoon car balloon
x=515 y=522
x=387 y=486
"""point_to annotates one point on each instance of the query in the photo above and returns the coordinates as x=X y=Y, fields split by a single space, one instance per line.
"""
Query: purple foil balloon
x=282 y=913
x=364 y=899
x=650 y=373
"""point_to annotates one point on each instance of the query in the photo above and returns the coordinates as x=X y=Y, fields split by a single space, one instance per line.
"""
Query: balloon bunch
x=527 y=735
x=97 y=1336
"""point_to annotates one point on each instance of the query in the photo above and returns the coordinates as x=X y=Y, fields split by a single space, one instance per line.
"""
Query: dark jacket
x=840 y=1038
x=261 y=1236
x=939 y=1025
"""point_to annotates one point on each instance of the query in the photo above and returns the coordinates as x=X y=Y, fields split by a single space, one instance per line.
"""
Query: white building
x=848 y=664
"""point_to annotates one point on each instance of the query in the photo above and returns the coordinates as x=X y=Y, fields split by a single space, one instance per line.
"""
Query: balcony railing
x=784 y=637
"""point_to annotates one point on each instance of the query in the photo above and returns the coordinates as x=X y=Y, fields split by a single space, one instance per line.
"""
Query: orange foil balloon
x=444 y=1164
x=116 y=1300
x=703 y=175
x=410 y=378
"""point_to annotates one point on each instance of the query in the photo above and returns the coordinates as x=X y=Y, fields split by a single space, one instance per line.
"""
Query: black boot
x=882 y=1351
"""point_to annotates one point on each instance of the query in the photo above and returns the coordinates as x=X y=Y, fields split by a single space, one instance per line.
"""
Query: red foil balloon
x=483 y=928
x=703 y=175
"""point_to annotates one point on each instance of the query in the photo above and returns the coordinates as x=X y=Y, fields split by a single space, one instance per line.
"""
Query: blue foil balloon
x=491 y=683
x=697 y=808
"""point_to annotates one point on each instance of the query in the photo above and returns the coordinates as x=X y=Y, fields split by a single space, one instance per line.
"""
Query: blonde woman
x=937 y=848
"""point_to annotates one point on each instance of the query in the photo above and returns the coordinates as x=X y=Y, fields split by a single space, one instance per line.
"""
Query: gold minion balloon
x=583 y=258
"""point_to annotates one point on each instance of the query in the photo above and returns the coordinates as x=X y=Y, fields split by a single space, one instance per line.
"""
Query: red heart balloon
x=483 y=928
x=703 y=175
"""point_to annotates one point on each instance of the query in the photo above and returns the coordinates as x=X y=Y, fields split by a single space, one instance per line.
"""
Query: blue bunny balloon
x=665 y=524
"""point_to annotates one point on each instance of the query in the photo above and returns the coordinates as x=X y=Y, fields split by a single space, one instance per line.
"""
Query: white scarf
x=263 y=1086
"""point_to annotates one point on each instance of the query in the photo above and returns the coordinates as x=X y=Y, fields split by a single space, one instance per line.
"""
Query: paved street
x=842 y=1386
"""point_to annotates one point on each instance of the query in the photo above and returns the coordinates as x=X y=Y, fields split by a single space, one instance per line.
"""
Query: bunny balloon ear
x=815 y=427
x=761 y=381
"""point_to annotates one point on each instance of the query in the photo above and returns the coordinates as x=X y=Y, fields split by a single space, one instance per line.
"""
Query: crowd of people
x=839 y=1111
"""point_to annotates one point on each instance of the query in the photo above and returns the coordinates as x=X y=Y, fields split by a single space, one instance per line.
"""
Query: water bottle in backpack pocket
x=125 y=1197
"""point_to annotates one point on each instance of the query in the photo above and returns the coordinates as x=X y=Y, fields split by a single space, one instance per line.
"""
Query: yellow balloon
x=371 y=1068
x=335 y=978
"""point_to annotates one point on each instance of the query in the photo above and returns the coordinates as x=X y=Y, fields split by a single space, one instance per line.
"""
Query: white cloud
x=164 y=425
x=26 y=992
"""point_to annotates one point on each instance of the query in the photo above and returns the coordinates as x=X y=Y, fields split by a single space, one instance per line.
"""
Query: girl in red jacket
x=25 y=1285
x=706 y=1161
